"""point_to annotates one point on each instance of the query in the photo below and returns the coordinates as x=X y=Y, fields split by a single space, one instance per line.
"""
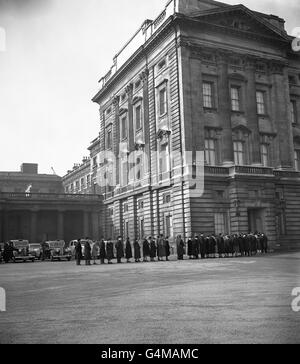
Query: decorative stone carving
x=163 y=135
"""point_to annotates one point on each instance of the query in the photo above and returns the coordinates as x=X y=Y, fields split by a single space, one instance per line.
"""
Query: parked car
x=21 y=251
x=59 y=250
x=35 y=250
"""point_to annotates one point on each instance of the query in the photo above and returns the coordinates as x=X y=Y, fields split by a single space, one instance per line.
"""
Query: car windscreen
x=34 y=246
x=20 y=244
x=56 y=244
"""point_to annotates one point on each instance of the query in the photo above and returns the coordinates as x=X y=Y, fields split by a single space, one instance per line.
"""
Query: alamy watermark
x=296 y=40
x=2 y=40
x=2 y=300
x=296 y=300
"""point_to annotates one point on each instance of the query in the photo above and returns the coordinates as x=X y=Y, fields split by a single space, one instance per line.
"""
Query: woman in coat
x=128 y=250
x=78 y=252
x=87 y=253
x=190 y=247
x=146 y=250
x=110 y=252
x=137 y=251
x=102 y=252
x=152 y=249
x=167 y=248
x=161 y=251
x=180 y=247
x=120 y=250
x=95 y=252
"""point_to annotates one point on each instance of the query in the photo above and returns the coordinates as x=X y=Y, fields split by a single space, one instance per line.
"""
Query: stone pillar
x=33 y=226
x=95 y=226
x=144 y=78
x=60 y=225
x=116 y=138
x=86 y=229
x=251 y=110
x=225 y=110
x=281 y=116
x=129 y=91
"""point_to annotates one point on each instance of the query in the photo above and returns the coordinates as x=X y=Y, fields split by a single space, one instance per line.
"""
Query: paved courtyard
x=242 y=300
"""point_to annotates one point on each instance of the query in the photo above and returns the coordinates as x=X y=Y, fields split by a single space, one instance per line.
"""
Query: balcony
x=258 y=171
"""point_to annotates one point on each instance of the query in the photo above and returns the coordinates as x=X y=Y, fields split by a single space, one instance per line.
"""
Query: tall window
x=163 y=101
x=264 y=150
x=168 y=226
x=260 y=101
x=123 y=127
x=95 y=162
x=88 y=180
x=210 y=152
x=208 y=95
x=235 y=98
x=297 y=160
x=163 y=159
x=221 y=223
x=109 y=139
x=138 y=117
x=124 y=173
x=238 y=148
x=141 y=228
x=293 y=109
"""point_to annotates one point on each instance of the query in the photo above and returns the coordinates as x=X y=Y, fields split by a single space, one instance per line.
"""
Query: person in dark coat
x=207 y=246
x=6 y=254
x=152 y=249
x=128 y=250
x=120 y=250
x=265 y=241
x=247 y=244
x=137 y=251
x=87 y=253
x=190 y=247
x=110 y=251
x=195 y=247
x=241 y=245
x=254 y=244
x=167 y=248
x=146 y=250
x=180 y=247
x=161 y=248
x=78 y=252
x=212 y=246
x=102 y=252
x=202 y=246
x=221 y=245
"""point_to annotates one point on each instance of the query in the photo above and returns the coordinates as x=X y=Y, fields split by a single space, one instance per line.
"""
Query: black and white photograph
x=149 y=174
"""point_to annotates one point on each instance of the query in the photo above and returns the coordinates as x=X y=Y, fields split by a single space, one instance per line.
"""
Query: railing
x=287 y=174
x=215 y=170
x=47 y=196
x=251 y=170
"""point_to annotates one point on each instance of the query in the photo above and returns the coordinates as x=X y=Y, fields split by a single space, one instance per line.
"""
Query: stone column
x=251 y=111
x=281 y=116
x=225 y=110
x=144 y=78
x=60 y=225
x=86 y=229
x=95 y=226
x=129 y=91
x=116 y=141
x=33 y=226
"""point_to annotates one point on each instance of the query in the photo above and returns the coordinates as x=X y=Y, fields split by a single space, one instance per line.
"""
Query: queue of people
x=158 y=249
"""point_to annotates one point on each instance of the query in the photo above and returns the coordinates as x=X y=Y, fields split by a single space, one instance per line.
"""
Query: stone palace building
x=222 y=83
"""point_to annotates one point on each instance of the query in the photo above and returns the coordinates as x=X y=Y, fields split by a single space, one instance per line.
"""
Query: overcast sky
x=56 y=51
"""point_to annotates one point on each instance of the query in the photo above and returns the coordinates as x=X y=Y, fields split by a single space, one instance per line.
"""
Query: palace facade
x=222 y=83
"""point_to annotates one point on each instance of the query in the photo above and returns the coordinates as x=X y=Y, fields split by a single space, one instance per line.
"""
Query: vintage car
x=59 y=250
x=21 y=251
x=35 y=250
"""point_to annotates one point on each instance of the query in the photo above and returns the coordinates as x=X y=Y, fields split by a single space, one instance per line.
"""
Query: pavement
x=232 y=300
